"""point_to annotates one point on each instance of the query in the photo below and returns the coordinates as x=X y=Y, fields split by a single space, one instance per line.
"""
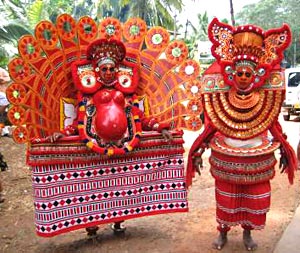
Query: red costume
x=111 y=170
x=242 y=95
x=109 y=117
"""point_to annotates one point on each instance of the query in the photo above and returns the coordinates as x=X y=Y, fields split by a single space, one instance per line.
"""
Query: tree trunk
x=232 y=13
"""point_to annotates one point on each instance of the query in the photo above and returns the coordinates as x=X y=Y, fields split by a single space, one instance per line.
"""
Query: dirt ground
x=189 y=232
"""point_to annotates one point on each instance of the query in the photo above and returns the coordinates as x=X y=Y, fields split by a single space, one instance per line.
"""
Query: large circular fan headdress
x=165 y=77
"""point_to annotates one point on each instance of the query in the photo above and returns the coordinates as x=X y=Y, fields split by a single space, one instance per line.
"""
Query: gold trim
x=243 y=125
x=243 y=101
x=247 y=122
x=246 y=114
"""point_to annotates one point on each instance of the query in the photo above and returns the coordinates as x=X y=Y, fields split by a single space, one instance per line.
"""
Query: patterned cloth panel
x=76 y=188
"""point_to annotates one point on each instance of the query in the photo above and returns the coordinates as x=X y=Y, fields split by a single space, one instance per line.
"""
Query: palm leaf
x=12 y=32
x=35 y=13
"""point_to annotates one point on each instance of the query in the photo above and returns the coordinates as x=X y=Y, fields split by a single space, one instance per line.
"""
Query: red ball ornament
x=110 y=120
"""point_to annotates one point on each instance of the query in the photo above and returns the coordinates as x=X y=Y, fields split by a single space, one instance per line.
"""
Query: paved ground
x=290 y=240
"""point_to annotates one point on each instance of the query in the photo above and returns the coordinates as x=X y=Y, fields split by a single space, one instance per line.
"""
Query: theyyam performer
x=242 y=93
x=100 y=107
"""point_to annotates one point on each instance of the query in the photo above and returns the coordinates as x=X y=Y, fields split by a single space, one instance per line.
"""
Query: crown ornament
x=103 y=51
x=248 y=46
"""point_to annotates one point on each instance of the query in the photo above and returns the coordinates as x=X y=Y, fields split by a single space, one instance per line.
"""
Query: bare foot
x=220 y=241
x=118 y=227
x=92 y=231
x=248 y=241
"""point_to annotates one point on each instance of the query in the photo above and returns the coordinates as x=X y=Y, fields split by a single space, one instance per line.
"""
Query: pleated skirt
x=245 y=205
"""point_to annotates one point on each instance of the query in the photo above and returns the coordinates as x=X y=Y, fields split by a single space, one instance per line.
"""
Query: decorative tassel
x=287 y=152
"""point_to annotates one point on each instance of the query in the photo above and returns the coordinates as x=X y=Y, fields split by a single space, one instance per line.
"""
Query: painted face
x=107 y=72
x=244 y=77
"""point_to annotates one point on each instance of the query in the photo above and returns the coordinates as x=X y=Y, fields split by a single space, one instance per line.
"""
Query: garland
x=243 y=123
x=89 y=140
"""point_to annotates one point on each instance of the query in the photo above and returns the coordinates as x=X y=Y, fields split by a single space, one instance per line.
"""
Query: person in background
x=3 y=167
x=4 y=80
x=1 y=196
x=4 y=103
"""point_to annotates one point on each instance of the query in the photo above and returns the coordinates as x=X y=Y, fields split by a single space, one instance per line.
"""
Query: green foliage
x=4 y=57
x=155 y=12
x=35 y=13
x=113 y=8
x=20 y=17
x=271 y=14
x=12 y=32
x=198 y=33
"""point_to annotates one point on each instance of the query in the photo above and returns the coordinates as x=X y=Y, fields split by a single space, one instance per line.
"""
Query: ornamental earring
x=228 y=70
x=261 y=72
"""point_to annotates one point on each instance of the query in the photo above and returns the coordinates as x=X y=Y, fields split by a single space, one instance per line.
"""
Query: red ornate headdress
x=103 y=51
x=248 y=45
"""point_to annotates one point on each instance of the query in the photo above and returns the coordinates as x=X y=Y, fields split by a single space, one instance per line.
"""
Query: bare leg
x=1 y=196
x=220 y=241
x=248 y=241
x=3 y=164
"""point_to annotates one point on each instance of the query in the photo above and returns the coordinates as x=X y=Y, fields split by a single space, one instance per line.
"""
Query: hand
x=283 y=162
x=55 y=136
x=167 y=135
x=198 y=163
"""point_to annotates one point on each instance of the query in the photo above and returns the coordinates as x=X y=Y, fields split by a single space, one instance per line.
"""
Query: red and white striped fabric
x=242 y=179
x=77 y=188
x=244 y=205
